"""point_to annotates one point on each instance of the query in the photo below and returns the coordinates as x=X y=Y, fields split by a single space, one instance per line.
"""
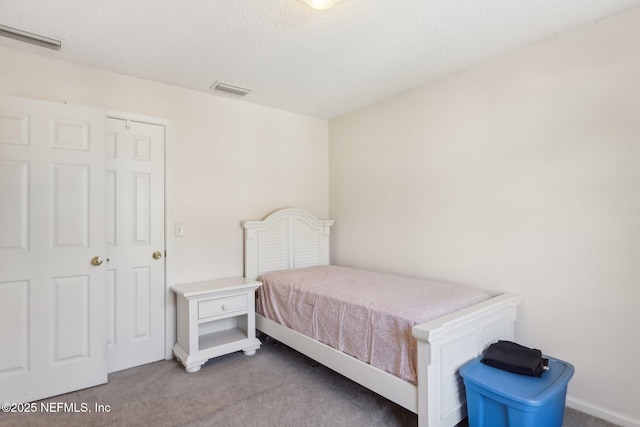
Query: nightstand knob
x=224 y=306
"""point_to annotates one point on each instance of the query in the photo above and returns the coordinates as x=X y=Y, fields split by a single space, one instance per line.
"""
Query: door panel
x=135 y=230
x=141 y=220
x=52 y=190
x=70 y=205
x=14 y=128
x=14 y=310
x=14 y=200
x=70 y=327
x=142 y=286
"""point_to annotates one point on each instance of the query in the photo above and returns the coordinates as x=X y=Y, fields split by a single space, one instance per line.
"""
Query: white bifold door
x=52 y=249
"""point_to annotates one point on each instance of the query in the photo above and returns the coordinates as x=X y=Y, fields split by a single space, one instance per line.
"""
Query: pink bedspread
x=365 y=314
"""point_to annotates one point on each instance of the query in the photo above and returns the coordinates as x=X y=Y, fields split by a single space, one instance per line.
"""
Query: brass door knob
x=96 y=260
x=157 y=255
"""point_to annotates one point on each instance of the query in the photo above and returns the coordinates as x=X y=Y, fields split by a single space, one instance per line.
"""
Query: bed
x=294 y=242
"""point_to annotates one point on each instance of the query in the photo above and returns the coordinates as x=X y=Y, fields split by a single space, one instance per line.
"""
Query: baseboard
x=599 y=412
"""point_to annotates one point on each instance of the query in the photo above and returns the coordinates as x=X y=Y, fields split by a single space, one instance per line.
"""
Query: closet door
x=52 y=249
x=135 y=243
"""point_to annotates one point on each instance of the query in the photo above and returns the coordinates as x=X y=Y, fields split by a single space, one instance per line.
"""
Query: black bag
x=512 y=357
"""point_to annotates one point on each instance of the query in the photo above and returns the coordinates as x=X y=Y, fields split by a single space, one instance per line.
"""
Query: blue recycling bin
x=497 y=398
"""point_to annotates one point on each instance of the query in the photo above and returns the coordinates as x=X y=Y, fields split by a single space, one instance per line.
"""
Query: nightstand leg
x=250 y=351
x=193 y=369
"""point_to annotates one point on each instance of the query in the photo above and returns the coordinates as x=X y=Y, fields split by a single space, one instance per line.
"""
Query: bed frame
x=294 y=238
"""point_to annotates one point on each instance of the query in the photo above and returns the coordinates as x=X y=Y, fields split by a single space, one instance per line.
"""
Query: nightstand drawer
x=217 y=307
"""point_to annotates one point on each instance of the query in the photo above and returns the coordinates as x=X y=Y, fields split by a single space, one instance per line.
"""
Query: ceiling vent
x=228 y=88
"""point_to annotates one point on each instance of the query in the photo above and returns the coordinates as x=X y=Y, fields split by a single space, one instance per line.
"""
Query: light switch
x=179 y=229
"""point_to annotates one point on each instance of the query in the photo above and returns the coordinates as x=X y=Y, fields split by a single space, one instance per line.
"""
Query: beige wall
x=232 y=160
x=521 y=174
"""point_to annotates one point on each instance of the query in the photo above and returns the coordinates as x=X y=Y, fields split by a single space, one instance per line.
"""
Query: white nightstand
x=215 y=317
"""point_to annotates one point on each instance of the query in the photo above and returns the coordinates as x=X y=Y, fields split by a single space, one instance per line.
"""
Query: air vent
x=232 y=89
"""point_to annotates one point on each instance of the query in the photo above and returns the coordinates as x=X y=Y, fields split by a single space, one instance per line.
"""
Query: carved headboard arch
x=286 y=239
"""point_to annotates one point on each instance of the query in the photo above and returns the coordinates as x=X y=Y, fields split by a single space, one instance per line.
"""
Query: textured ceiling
x=318 y=63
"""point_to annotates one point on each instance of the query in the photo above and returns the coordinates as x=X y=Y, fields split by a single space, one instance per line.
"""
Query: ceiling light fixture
x=27 y=37
x=320 y=4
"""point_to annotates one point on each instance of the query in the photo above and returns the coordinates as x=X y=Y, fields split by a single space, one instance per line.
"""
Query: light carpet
x=276 y=387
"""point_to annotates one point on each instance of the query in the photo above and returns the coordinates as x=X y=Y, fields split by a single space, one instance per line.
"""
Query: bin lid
x=520 y=388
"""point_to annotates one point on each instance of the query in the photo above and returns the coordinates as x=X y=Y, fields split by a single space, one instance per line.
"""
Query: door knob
x=157 y=255
x=96 y=260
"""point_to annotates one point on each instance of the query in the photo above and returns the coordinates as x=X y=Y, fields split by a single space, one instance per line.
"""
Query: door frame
x=169 y=244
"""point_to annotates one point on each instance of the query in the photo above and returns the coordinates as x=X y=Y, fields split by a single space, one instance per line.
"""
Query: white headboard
x=285 y=240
